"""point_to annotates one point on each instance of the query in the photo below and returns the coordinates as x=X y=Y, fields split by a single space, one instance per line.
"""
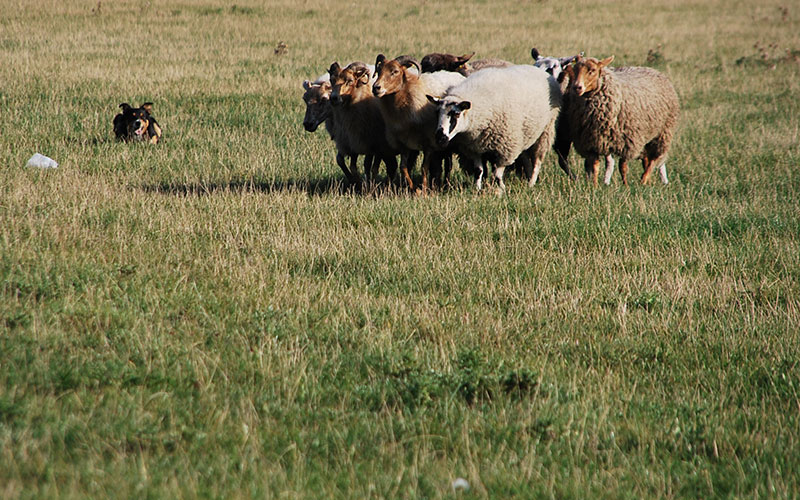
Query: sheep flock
x=491 y=115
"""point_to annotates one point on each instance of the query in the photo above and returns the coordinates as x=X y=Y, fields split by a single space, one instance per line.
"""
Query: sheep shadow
x=311 y=187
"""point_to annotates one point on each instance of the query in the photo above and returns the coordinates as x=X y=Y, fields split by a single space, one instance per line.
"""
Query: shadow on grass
x=312 y=187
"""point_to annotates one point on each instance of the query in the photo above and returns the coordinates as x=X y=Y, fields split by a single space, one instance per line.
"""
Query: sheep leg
x=662 y=171
x=562 y=145
x=368 y=159
x=404 y=161
x=376 y=168
x=354 y=171
x=391 y=168
x=426 y=167
x=647 y=163
x=448 y=167
x=524 y=166
x=498 y=176
x=537 y=167
x=436 y=170
x=609 y=170
x=590 y=165
x=478 y=171
x=343 y=165
x=623 y=170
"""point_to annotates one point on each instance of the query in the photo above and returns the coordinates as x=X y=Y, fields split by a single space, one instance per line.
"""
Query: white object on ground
x=41 y=161
x=460 y=484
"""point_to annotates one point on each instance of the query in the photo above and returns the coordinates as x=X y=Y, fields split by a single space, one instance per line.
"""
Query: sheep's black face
x=452 y=121
x=318 y=107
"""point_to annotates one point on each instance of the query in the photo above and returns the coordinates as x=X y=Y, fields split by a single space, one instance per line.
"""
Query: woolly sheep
x=555 y=66
x=498 y=114
x=358 y=126
x=629 y=112
x=410 y=119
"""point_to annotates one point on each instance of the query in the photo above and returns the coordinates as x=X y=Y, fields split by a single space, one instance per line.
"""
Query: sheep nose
x=310 y=126
x=441 y=138
x=376 y=89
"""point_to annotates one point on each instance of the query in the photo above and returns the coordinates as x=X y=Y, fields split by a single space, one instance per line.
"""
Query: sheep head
x=553 y=65
x=453 y=118
x=318 y=106
x=350 y=84
x=393 y=75
x=446 y=62
x=586 y=74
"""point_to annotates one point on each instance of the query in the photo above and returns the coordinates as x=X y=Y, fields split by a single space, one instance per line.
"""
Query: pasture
x=217 y=316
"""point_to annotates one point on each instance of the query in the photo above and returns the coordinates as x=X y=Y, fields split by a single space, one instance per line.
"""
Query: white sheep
x=498 y=114
x=629 y=112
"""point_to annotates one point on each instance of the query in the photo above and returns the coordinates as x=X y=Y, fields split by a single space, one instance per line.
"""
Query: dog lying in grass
x=137 y=124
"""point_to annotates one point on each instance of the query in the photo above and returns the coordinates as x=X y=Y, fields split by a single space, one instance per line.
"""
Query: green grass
x=218 y=316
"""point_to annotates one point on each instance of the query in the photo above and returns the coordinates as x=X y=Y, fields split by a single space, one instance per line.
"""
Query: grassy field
x=217 y=316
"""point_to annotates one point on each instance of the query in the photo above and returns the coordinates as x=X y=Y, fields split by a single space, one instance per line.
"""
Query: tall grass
x=218 y=316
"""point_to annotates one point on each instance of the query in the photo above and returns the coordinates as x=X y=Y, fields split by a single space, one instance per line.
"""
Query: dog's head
x=136 y=124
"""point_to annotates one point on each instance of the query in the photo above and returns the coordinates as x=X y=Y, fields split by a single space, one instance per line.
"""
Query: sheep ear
x=568 y=72
x=379 y=62
x=334 y=70
x=464 y=105
x=433 y=100
x=566 y=60
x=535 y=54
x=463 y=59
x=605 y=62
